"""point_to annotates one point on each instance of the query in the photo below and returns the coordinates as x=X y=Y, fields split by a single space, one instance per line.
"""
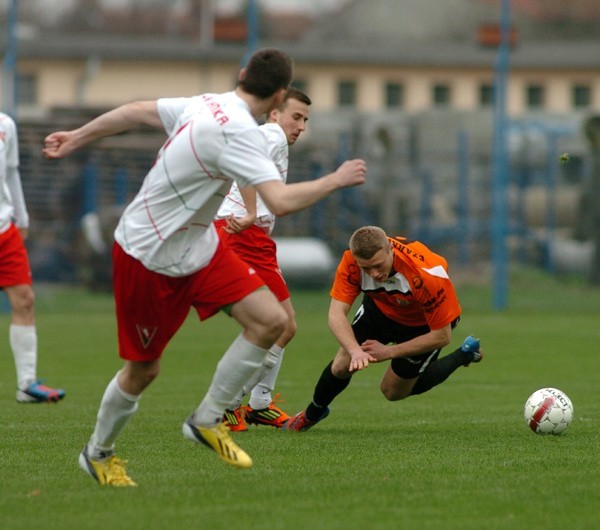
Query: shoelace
x=116 y=473
x=276 y=399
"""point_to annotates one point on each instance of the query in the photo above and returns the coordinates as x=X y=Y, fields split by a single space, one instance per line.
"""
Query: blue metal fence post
x=252 y=23
x=9 y=88
x=551 y=181
x=463 y=205
x=500 y=177
x=121 y=187
x=317 y=212
x=90 y=188
x=425 y=210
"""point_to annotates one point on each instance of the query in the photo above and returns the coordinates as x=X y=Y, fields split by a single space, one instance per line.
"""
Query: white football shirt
x=213 y=139
x=12 y=202
x=278 y=149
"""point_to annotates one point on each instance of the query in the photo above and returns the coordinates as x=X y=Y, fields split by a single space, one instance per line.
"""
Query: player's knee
x=340 y=367
x=276 y=325
x=22 y=300
x=290 y=329
x=390 y=392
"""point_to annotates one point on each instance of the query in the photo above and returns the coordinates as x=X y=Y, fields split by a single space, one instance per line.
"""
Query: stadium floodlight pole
x=207 y=23
x=9 y=76
x=252 y=25
x=500 y=169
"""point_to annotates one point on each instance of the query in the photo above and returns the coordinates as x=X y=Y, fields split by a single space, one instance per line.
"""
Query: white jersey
x=213 y=139
x=278 y=150
x=12 y=202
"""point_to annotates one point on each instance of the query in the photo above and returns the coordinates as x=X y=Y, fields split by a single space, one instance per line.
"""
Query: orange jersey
x=418 y=293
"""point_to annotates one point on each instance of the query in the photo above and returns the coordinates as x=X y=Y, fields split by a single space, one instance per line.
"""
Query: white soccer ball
x=548 y=411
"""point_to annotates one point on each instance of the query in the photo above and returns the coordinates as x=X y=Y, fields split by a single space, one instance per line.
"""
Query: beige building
x=370 y=56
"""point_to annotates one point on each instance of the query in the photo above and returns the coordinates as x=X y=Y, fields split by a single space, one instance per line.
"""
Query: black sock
x=438 y=371
x=328 y=387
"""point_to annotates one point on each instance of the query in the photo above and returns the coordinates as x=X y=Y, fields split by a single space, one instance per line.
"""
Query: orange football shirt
x=418 y=293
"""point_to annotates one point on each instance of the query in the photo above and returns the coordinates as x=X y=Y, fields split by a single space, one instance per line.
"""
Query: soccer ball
x=548 y=411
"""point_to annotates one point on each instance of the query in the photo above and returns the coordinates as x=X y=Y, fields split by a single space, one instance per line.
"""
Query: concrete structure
x=370 y=56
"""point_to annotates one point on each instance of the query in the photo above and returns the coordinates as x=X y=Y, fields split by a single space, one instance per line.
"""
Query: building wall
x=110 y=82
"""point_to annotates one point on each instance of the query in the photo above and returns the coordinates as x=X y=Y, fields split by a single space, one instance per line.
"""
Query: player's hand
x=360 y=360
x=59 y=144
x=352 y=173
x=235 y=225
x=379 y=352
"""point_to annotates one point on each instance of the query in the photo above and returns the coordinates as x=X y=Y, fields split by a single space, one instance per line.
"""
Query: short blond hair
x=367 y=241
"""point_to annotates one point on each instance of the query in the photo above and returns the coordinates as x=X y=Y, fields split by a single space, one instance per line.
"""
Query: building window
x=535 y=96
x=486 y=95
x=394 y=95
x=441 y=95
x=27 y=89
x=347 y=94
x=581 y=96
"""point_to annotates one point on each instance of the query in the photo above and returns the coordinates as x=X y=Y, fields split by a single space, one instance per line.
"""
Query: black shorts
x=370 y=323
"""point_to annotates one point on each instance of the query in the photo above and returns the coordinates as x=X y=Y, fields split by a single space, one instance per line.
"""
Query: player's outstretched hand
x=377 y=350
x=352 y=173
x=59 y=144
x=360 y=360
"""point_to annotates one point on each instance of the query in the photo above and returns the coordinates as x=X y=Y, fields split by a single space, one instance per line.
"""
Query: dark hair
x=294 y=93
x=268 y=70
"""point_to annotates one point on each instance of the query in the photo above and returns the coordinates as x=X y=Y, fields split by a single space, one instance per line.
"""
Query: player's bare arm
x=283 y=199
x=435 y=339
x=62 y=143
x=234 y=224
x=342 y=330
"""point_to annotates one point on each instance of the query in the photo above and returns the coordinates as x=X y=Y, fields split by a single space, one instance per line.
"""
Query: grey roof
x=433 y=33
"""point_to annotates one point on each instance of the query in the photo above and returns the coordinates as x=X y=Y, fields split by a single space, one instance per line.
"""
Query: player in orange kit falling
x=408 y=311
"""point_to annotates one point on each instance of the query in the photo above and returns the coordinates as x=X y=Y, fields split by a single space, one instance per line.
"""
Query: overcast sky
x=54 y=10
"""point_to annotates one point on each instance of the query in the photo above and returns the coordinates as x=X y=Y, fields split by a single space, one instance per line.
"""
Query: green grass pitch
x=458 y=457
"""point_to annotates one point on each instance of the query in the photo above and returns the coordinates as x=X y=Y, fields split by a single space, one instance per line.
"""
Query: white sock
x=237 y=401
x=116 y=409
x=260 y=398
x=236 y=366
x=23 y=342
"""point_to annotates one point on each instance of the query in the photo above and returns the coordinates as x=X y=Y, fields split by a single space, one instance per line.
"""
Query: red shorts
x=14 y=263
x=151 y=307
x=259 y=251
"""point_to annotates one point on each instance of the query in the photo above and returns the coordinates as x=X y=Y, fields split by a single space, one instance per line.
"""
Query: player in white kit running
x=245 y=224
x=167 y=256
x=15 y=273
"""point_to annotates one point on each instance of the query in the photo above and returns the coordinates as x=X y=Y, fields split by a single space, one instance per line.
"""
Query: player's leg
x=333 y=381
x=22 y=333
x=336 y=376
x=259 y=251
x=418 y=374
x=261 y=390
x=395 y=387
x=262 y=408
x=137 y=292
x=15 y=278
x=228 y=283
x=263 y=320
x=442 y=368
